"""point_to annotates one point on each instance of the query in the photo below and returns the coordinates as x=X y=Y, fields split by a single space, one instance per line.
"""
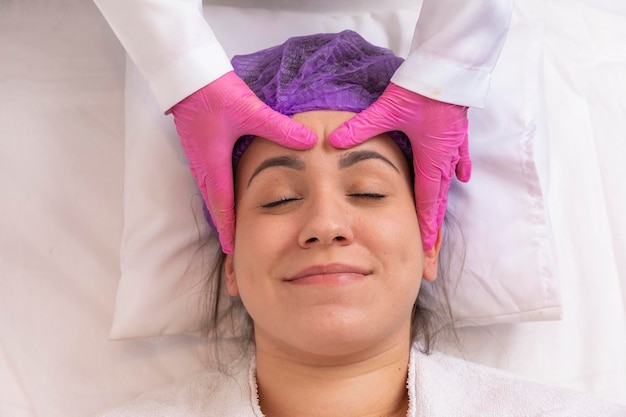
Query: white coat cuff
x=443 y=80
x=188 y=74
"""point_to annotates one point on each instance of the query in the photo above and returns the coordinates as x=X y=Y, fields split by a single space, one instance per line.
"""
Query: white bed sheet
x=61 y=176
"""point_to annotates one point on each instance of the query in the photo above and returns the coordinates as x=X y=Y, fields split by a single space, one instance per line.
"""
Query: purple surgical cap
x=327 y=71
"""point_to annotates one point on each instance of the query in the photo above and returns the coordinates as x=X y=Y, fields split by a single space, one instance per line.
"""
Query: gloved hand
x=438 y=135
x=209 y=122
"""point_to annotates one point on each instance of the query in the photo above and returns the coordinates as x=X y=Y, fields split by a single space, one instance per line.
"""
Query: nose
x=327 y=223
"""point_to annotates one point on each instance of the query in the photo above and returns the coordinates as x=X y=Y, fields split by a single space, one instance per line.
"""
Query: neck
x=365 y=385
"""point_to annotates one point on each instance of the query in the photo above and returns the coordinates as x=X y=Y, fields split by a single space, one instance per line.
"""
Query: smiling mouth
x=332 y=274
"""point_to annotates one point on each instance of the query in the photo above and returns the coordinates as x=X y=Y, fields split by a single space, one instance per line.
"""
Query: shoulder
x=210 y=392
x=450 y=386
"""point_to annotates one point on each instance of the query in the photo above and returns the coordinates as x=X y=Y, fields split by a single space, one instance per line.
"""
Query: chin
x=347 y=336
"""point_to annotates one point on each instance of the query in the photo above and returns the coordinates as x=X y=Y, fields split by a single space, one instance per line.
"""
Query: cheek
x=398 y=238
x=400 y=227
x=401 y=262
x=254 y=234
x=260 y=244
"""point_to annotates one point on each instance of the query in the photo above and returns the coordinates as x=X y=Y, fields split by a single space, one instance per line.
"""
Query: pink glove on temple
x=209 y=122
x=438 y=135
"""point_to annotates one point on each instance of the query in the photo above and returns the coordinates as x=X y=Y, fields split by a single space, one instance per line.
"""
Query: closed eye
x=280 y=201
x=372 y=196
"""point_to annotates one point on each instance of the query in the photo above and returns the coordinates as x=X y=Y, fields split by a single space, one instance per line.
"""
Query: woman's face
x=327 y=257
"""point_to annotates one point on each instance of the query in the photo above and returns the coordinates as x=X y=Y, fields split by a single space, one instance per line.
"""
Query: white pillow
x=509 y=271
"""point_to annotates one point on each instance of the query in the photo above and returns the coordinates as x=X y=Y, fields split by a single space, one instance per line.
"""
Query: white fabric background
x=61 y=178
x=585 y=83
x=61 y=173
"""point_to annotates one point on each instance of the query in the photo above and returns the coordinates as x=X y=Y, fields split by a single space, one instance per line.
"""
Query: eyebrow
x=279 y=161
x=347 y=160
x=352 y=158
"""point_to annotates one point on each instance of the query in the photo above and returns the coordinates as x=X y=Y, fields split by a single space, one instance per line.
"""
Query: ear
x=231 y=281
x=431 y=260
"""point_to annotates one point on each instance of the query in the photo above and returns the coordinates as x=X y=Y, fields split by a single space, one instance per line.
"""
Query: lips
x=328 y=274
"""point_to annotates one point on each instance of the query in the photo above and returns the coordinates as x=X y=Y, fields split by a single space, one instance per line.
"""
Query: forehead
x=322 y=122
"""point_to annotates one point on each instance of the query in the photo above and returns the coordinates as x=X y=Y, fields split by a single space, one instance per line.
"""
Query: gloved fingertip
x=341 y=137
x=428 y=228
x=308 y=139
x=226 y=230
x=227 y=244
x=301 y=138
x=441 y=213
x=227 y=249
x=429 y=237
x=464 y=170
x=428 y=242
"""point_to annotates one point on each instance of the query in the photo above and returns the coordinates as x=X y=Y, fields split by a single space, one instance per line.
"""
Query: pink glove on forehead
x=209 y=122
x=438 y=135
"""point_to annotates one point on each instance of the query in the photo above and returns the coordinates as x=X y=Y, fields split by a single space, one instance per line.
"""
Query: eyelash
x=371 y=196
x=284 y=200
x=280 y=201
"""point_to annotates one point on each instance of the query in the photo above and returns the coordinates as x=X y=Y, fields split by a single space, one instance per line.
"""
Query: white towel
x=438 y=386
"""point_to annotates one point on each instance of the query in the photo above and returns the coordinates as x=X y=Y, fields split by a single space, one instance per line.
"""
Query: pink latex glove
x=438 y=135
x=209 y=122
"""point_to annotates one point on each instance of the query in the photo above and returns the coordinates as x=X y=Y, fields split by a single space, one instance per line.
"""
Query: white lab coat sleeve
x=171 y=44
x=454 y=50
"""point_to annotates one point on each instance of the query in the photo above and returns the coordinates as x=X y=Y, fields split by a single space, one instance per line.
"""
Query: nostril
x=340 y=239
